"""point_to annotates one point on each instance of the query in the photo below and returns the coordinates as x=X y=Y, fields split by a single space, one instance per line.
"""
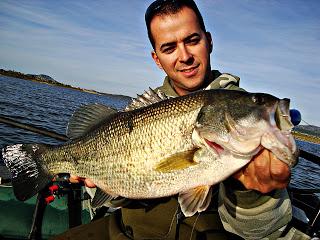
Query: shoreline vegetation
x=42 y=78
x=302 y=132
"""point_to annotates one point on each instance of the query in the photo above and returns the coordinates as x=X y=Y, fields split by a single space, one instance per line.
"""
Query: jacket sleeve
x=253 y=215
x=248 y=213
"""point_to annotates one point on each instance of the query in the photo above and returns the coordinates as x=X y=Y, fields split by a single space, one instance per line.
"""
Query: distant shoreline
x=306 y=137
x=41 y=78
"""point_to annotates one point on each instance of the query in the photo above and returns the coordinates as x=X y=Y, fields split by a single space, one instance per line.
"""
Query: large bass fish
x=180 y=145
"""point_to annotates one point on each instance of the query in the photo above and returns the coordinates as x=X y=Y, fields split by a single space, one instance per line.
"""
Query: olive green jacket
x=245 y=213
x=226 y=81
x=234 y=213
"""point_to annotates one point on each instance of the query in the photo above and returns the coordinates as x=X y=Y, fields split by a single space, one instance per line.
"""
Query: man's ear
x=156 y=59
x=210 y=42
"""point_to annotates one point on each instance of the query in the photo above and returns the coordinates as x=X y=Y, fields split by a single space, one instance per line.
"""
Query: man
x=182 y=48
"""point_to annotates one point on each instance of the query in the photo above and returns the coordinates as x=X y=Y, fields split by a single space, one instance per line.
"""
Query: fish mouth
x=282 y=115
x=279 y=139
x=282 y=125
x=239 y=142
x=221 y=149
x=272 y=132
x=215 y=146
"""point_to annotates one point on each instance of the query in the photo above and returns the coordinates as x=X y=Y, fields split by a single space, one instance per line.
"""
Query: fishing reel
x=60 y=187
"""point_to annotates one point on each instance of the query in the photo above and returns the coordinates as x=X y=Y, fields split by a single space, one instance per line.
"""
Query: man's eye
x=168 y=50
x=193 y=41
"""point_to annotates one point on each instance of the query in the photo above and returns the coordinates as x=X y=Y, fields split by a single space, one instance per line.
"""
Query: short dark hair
x=167 y=7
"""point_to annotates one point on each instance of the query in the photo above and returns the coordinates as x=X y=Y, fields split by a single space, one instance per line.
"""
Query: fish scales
x=122 y=148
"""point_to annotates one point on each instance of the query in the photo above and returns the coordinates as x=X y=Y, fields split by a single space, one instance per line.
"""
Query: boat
x=35 y=218
x=71 y=205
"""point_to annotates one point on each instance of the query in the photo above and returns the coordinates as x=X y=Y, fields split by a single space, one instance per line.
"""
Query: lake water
x=50 y=107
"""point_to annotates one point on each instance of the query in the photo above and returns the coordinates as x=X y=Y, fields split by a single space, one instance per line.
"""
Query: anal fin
x=101 y=198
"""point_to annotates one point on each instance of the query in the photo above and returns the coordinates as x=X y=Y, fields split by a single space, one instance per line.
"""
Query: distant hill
x=308 y=129
x=44 y=78
x=32 y=77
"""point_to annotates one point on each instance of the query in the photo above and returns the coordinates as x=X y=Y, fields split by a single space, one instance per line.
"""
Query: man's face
x=182 y=49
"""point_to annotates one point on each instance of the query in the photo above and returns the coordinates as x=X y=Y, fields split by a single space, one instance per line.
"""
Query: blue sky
x=102 y=45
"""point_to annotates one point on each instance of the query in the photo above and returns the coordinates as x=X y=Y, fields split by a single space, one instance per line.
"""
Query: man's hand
x=86 y=181
x=264 y=173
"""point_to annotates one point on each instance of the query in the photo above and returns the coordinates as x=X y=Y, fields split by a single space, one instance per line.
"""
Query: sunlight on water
x=42 y=105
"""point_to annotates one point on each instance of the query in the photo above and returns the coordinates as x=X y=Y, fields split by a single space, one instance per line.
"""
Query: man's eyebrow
x=169 y=44
x=191 y=36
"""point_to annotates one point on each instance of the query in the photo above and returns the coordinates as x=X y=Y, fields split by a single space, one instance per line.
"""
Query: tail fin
x=29 y=176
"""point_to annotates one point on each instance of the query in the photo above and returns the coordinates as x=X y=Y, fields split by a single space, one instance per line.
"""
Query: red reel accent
x=49 y=199
x=53 y=189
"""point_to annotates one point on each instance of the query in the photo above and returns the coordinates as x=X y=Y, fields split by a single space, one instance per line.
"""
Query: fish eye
x=258 y=99
x=200 y=115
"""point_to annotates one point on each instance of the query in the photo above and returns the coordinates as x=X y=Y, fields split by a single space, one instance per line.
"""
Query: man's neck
x=181 y=91
x=206 y=82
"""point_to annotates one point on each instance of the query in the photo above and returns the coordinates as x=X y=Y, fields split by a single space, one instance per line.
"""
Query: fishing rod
x=309 y=156
x=3 y=119
x=32 y=128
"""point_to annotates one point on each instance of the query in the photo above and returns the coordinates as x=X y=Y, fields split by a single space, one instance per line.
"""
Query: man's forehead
x=172 y=26
x=184 y=12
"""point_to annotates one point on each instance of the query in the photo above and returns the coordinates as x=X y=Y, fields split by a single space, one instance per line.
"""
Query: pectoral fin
x=195 y=200
x=177 y=162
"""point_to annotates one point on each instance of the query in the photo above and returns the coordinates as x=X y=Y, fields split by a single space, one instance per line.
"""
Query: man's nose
x=184 y=54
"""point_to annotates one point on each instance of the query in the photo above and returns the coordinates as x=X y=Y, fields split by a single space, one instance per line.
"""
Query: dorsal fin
x=86 y=118
x=147 y=98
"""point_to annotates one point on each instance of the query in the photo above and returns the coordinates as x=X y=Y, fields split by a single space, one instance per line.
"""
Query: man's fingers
x=279 y=170
x=86 y=181
x=74 y=179
x=264 y=173
x=247 y=177
x=89 y=183
x=262 y=167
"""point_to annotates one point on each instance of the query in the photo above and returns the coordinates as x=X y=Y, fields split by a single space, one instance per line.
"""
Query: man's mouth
x=190 y=71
